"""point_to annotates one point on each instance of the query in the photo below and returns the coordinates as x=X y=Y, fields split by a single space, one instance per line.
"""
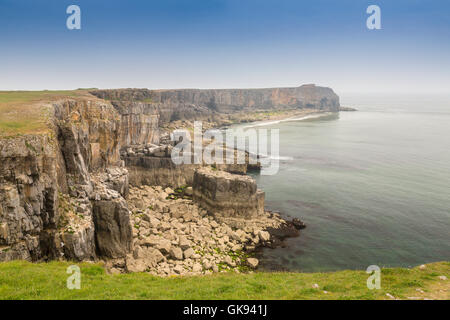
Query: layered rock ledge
x=231 y=198
x=64 y=192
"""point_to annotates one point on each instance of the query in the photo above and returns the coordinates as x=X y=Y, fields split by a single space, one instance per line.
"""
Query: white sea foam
x=268 y=123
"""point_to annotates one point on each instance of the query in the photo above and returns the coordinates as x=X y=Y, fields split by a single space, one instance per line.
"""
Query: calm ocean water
x=373 y=186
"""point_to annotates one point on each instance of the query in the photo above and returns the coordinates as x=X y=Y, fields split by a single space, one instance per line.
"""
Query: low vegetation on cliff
x=25 y=280
x=25 y=112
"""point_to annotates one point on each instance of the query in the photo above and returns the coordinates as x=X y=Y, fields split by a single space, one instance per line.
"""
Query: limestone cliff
x=170 y=105
x=145 y=112
x=48 y=184
x=230 y=198
x=62 y=192
x=28 y=195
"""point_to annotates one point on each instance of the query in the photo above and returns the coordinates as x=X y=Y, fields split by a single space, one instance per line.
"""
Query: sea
x=372 y=186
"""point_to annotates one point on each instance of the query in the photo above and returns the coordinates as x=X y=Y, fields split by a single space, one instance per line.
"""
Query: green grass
x=26 y=112
x=27 y=96
x=24 y=280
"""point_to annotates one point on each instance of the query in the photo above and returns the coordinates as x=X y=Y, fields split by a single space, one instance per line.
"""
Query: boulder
x=252 y=262
x=227 y=195
x=264 y=236
x=176 y=253
x=151 y=256
x=197 y=267
x=134 y=265
x=113 y=232
x=188 y=253
x=154 y=223
x=207 y=264
x=184 y=243
x=189 y=191
x=298 y=224
x=164 y=246
x=179 y=269
x=229 y=261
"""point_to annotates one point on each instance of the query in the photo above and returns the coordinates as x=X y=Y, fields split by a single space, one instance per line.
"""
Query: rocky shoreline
x=178 y=237
x=98 y=184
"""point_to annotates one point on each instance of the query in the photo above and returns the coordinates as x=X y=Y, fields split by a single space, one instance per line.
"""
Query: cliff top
x=26 y=112
x=215 y=173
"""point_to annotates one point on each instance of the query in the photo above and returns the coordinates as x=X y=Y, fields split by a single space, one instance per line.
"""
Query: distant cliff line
x=64 y=183
x=232 y=100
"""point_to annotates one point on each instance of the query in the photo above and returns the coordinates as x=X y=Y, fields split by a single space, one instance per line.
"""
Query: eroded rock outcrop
x=46 y=184
x=63 y=192
x=89 y=136
x=152 y=165
x=28 y=195
x=229 y=197
x=139 y=122
x=112 y=227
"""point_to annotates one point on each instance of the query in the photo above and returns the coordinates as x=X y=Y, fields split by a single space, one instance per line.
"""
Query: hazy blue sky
x=226 y=43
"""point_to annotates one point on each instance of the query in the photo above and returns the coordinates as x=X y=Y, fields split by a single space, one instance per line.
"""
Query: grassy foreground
x=24 y=280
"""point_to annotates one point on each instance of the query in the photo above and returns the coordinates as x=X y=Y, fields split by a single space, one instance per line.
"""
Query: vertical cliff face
x=50 y=185
x=170 y=105
x=266 y=98
x=88 y=133
x=28 y=195
x=62 y=192
x=139 y=122
x=230 y=100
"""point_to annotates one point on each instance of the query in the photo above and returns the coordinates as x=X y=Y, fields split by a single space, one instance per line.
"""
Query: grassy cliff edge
x=24 y=280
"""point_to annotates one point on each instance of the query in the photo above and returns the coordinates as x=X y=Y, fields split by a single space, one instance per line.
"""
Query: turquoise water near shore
x=373 y=186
